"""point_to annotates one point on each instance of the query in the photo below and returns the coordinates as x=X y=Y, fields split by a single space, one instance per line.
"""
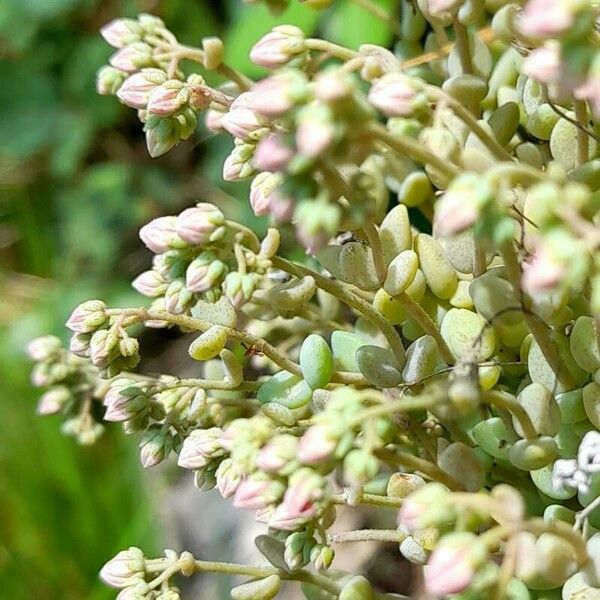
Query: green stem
x=427 y=324
x=395 y=406
x=583 y=147
x=490 y=142
x=413 y=149
x=374 y=240
x=347 y=297
x=462 y=46
x=368 y=535
x=508 y=402
x=426 y=467
x=336 y=50
x=370 y=500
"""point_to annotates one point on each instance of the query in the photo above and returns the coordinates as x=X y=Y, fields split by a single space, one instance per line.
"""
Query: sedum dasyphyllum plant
x=434 y=350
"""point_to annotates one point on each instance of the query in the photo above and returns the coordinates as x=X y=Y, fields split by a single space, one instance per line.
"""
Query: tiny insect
x=251 y=350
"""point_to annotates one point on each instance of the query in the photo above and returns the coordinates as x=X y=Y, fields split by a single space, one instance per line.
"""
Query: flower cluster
x=434 y=346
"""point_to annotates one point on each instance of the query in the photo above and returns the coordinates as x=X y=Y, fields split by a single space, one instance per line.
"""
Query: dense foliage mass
x=435 y=351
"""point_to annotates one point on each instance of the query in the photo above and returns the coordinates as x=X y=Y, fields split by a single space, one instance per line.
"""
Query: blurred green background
x=75 y=186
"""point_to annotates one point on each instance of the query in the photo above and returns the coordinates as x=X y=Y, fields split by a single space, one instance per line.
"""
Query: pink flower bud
x=315 y=131
x=451 y=566
x=590 y=91
x=454 y=214
x=150 y=284
x=135 y=89
x=87 y=317
x=543 y=64
x=255 y=492
x=238 y=164
x=411 y=514
x=278 y=47
x=196 y=225
x=241 y=121
x=213 y=120
x=272 y=154
x=333 y=85
x=262 y=191
x=168 y=98
x=316 y=445
x=277 y=454
x=53 y=400
x=204 y=272
x=122 y=570
x=177 y=297
x=227 y=478
x=154 y=446
x=546 y=18
x=132 y=57
x=263 y=515
x=276 y=95
x=160 y=234
x=440 y=8
x=200 y=447
x=43 y=348
x=543 y=272
x=394 y=95
x=79 y=344
x=305 y=489
x=120 y=32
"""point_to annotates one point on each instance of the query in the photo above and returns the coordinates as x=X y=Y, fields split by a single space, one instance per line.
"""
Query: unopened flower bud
x=177 y=297
x=53 y=400
x=277 y=454
x=257 y=491
x=543 y=64
x=132 y=57
x=43 y=348
x=359 y=467
x=317 y=445
x=121 y=32
x=315 y=130
x=122 y=570
x=213 y=119
x=242 y=122
x=422 y=508
x=167 y=98
x=322 y=556
x=272 y=153
x=300 y=503
x=87 y=317
x=544 y=271
x=274 y=96
x=228 y=479
x=278 y=47
x=102 y=346
x=396 y=95
x=545 y=18
x=155 y=445
x=204 y=272
x=198 y=225
x=150 y=284
x=261 y=189
x=238 y=164
x=135 y=89
x=79 y=344
x=200 y=447
x=160 y=235
x=109 y=80
x=452 y=564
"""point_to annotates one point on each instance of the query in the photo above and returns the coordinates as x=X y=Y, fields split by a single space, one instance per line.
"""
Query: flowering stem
x=462 y=46
x=336 y=50
x=368 y=535
x=410 y=147
x=537 y=327
x=506 y=401
x=490 y=142
x=347 y=297
x=426 y=467
x=582 y=515
x=369 y=499
x=427 y=324
x=581 y=114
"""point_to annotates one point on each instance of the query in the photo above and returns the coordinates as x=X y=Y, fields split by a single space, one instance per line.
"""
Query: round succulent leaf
x=401 y=273
x=389 y=307
x=542 y=409
x=344 y=345
x=293 y=294
x=220 y=312
x=395 y=233
x=379 y=366
x=570 y=405
x=494 y=437
x=440 y=275
x=543 y=480
x=493 y=298
x=415 y=189
x=461 y=462
x=316 y=361
x=468 y=335
x=584 y=343
x=357 y=266
x=209 y=344
x=529 y=455
x=591 y=403
x=422 y=356
x=259 y=589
